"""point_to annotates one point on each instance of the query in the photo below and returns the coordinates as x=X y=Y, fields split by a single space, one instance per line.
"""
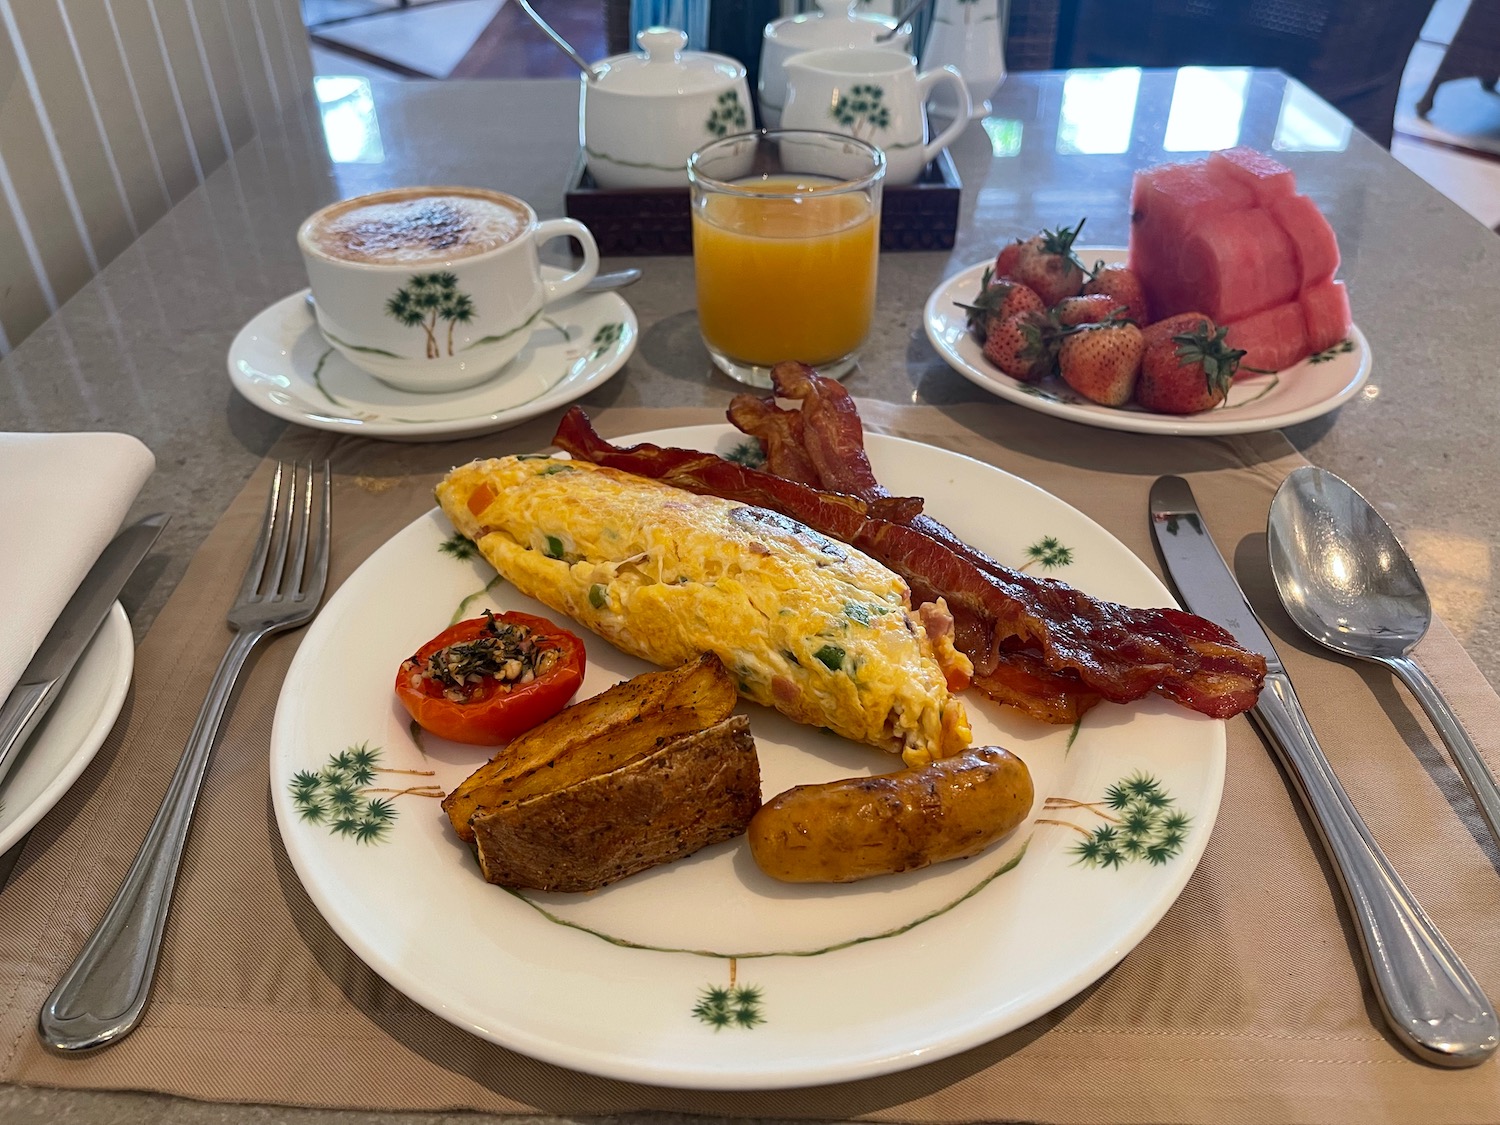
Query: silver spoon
x=619 y=279
x=567 y=48
x=911 y=9
x=1347 y=582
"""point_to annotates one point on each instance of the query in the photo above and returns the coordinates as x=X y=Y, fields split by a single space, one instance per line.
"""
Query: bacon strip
x=780 y=433
x=1115 y=651
x=1070 y=635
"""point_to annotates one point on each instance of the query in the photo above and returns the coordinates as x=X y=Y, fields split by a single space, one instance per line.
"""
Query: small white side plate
x=1256 y=402
x=73 y=730
x=282 y=364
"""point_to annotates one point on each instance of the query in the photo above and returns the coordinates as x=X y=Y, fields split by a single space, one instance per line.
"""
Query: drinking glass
x=786 y=247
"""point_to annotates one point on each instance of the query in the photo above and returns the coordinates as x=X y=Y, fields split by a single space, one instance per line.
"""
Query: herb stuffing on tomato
x=488 y=679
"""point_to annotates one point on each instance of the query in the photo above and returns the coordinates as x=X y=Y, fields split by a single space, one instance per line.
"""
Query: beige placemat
x=1244 y=1005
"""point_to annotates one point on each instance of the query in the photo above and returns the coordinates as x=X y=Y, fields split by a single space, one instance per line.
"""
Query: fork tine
x=281 y=533
x=317 y=578
x=303 y=501
x=257 y=566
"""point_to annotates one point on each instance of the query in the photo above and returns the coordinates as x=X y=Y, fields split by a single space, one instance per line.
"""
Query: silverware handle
x=100 y=999
x=20 y=713
x=1476 y=774
x=1429 y=998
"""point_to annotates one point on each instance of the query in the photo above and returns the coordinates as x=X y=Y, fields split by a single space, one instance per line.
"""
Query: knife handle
x=1429 y=998
x=19 y=715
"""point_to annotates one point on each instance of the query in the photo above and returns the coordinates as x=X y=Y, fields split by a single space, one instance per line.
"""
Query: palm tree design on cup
x=426 y=299
x=862 y=110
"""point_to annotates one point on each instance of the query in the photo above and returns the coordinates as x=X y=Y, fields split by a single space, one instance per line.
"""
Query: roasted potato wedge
x=692 y=791
x=596 y=736
x=862 y=826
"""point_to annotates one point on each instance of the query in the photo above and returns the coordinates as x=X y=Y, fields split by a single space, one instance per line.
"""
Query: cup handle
x=549 y=229
x=926 y=83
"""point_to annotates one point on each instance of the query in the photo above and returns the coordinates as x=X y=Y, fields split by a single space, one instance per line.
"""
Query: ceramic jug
x=643 y=115
x=876 y=95
x=970 y=36
x=842 y=25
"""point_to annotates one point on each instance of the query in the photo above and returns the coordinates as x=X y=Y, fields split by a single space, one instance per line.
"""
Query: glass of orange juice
x=786 y=246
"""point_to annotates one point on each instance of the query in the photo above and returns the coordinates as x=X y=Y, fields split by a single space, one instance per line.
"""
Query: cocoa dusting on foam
x=418 y=229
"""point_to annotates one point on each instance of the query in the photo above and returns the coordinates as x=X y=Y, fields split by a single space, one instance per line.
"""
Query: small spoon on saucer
x=618 y=279
x=1347 y=582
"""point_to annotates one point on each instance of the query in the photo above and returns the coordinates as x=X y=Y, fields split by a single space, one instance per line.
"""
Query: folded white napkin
x=62 y=499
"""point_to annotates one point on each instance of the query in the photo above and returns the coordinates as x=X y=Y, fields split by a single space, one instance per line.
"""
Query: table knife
x=1430 y=1000
x=74 y=628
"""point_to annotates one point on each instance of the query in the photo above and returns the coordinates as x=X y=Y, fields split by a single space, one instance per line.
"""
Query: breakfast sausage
x=862 y=826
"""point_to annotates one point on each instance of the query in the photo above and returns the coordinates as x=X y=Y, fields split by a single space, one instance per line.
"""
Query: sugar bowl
x=641 y=115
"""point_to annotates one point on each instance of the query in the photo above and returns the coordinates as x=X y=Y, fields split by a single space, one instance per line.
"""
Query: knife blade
x=1429 y=998
x=70 y=634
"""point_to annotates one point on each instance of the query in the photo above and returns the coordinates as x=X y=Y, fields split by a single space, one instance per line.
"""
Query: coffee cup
x=434 y=288
x=876 y=95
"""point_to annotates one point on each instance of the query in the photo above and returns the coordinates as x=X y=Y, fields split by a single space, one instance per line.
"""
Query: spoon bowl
x=1347 y=583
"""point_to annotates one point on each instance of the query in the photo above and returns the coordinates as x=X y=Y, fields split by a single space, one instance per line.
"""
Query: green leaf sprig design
x=862 y=110
x=339 y=794
x=748 y=453
x=1141 y=822
x=734 y=1005
x=728 y=115
x=459 y=546
x=1048 y=553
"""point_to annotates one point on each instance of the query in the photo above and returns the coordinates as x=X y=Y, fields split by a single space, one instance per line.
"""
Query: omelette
x=810 y=626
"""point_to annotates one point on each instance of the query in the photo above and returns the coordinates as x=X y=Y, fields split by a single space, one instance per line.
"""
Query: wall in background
x=110 y=112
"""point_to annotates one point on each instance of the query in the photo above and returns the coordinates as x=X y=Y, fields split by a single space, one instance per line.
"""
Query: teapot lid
x=827 y=29
x=665 y=68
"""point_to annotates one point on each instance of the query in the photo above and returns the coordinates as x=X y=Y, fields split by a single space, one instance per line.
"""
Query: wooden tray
x=654 y=221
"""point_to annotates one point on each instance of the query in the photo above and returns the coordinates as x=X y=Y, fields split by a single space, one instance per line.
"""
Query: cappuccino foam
x=418 y=227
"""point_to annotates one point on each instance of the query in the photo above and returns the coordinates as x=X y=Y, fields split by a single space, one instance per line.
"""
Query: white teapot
x=876 y=95
x=811 y=31
x=643 y=115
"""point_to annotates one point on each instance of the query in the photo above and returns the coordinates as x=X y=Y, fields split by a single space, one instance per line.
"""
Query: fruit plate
x=705 y=973
x=1311 y=388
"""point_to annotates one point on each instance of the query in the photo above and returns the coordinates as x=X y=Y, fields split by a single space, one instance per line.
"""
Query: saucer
x=282 y=364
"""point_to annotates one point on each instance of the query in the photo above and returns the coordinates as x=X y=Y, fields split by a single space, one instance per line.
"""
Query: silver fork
x=101 y=998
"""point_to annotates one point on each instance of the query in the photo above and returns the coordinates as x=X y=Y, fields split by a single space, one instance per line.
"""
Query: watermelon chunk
x=1269 y=179
x=1317 y=248
x=1168 y=202
x=1230 y=237
x=1236 y=265
x=1273 y=340
x=1325 y=309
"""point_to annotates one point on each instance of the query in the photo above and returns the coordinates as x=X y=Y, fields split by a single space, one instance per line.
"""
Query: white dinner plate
x=281 y=363
x=705 y=973
x=1256 y=402
x=72 y=731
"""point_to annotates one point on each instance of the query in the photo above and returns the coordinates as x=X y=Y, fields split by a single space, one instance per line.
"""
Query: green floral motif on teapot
x=862 y=110
x=728 y=115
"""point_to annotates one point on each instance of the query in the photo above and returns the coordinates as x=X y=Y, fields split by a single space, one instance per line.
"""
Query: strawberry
x=1101 y=361
x=1170 y=326
x=1123 y=285
x=998 y=300
x=1188 y=372
x=1009 y=256
x=1090 y=309
x=1046 y=262
x=1023 y=346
